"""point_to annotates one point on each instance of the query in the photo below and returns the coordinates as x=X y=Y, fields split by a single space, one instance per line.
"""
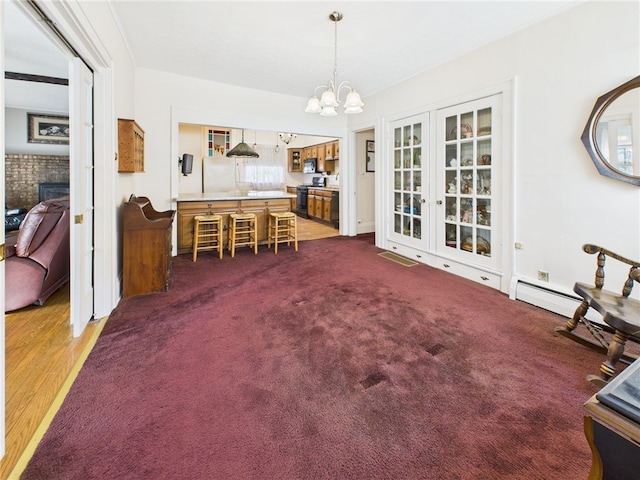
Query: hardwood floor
x=43 y=359
x=312 y=230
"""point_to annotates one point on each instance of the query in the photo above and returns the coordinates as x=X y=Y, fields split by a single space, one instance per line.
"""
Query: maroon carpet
x=329 y=363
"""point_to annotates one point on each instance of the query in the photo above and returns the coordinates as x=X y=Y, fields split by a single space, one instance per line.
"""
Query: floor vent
x=394 y=257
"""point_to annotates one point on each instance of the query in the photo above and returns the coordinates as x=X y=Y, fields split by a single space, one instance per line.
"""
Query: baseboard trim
x=551 y=299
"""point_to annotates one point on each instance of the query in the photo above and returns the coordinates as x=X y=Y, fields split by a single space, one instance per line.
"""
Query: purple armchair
x=37 y=261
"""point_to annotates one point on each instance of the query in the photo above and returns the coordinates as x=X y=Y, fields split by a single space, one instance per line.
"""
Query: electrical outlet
x=543 y=276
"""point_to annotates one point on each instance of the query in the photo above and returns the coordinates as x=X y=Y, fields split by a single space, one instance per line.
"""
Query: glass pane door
x=466 y=171
x=408 y=151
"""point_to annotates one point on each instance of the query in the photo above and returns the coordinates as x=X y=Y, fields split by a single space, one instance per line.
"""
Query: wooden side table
x=612 y=428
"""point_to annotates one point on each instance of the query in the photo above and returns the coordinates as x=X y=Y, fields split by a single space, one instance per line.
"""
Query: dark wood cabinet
x=146 y=247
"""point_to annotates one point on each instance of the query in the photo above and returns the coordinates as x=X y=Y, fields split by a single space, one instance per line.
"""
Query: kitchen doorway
x=365 y=169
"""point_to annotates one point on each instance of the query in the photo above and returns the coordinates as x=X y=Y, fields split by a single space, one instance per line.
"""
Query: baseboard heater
x=558 y=302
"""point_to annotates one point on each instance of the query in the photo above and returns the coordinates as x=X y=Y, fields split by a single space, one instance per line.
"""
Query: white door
x=81 y=191
x=409 y=152
x=468 y=172
x=2 y=359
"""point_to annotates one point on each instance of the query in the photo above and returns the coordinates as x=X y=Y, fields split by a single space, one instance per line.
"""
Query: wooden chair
x=620 y=314
x=283 y=227
x=242 y=231
x=207 y=234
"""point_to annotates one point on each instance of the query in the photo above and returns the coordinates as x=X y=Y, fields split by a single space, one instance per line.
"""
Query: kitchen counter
x=234 y=195
x=260 y=203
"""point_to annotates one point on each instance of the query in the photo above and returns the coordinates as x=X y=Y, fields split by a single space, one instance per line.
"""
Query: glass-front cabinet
x=467 y=171
x=409 y=152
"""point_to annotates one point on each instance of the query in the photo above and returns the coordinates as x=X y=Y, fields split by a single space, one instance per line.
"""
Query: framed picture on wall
x=371 y=156
x=52 y=129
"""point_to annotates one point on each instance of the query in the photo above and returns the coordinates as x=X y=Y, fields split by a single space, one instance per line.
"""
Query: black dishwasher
x=335 y=209
x=302 y=192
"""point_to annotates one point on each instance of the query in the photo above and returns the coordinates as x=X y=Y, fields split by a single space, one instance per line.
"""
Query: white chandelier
x=328 y=104
x=287 y=138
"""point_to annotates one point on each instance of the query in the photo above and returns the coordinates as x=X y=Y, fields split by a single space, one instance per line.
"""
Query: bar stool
x=283 y=227
x=242 y=231
x=207 y=234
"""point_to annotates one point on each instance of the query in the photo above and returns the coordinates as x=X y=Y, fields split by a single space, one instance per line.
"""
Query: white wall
x=165 y=100
x=561 y=67
x=16 y=134
x=104 y=27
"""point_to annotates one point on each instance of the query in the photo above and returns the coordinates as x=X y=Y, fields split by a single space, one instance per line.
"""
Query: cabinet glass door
x=409 y=152
x=467 y=160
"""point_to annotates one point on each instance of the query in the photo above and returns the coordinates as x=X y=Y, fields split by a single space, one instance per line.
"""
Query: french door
x=468 y=171
x=81 y=190
x=409 y=151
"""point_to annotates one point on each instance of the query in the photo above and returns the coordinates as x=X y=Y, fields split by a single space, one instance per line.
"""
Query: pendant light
x=242 y=150
x=328 y=103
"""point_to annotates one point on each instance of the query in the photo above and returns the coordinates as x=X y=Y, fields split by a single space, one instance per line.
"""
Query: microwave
x=309 y=165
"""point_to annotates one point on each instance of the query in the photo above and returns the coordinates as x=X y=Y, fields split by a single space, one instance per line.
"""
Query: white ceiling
x=287 y=47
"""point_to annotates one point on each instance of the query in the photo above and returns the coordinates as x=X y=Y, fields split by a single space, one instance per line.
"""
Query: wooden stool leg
x=196 y=227
x=254 y=224
x=295 y=233
x=220 y=239
x=232 y=237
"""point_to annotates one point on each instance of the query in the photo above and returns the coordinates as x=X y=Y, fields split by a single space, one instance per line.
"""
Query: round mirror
x=612 y=134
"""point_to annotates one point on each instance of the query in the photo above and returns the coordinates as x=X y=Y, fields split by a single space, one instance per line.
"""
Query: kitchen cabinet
x=326 y=207
x=321 y=151
x=261 y=207
x=336 y=150
x=295 y=160
x=319 y=205
x=311 y=204
x=306 y=152
x=294 y=191
x=188 y=210
x=130 y=146
x=328 y=150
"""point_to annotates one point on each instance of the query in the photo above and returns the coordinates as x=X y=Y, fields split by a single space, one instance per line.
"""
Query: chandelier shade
x=329 y=101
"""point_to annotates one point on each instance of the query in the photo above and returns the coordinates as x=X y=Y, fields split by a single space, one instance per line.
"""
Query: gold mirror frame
x=589 y=134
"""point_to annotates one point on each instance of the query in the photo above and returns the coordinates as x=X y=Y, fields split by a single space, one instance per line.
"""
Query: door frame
x=69 y=19
x=70 y=22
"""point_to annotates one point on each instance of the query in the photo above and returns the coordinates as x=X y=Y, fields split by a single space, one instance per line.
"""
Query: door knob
x=439 y=202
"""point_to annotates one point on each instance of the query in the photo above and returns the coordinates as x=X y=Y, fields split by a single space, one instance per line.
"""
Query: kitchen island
x=225 y=203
